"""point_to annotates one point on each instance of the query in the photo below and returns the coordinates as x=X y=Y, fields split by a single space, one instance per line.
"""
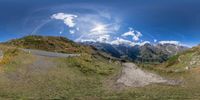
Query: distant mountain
x=140 y=53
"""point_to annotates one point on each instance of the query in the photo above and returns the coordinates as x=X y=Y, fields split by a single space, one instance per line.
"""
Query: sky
x=109 y=21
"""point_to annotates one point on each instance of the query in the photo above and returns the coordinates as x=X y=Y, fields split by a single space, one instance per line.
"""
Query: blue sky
x=110 y=21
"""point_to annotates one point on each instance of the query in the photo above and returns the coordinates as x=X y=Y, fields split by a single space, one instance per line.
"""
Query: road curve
x=50 y=54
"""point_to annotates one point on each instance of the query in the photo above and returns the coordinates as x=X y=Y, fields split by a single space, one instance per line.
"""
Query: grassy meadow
x=88 y=77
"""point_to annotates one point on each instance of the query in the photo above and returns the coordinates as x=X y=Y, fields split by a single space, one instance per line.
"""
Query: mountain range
x=140 y=53
x=147 y=52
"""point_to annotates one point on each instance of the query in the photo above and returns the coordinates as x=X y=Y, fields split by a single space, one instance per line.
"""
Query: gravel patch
x=133 y=76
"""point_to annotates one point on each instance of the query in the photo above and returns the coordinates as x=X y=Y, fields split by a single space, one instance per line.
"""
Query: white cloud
x=143 y=43
x=170 y=42
x=135 y=34
x=67 y=18
x=94 y=38
x=119 y=41
x=103 y=38
x=71 y=31
x=87 y=40
x=90 y=27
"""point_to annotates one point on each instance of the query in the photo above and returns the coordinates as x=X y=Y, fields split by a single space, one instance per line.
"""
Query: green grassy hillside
x=24 y=76
x=187 y=60
x=49 y=43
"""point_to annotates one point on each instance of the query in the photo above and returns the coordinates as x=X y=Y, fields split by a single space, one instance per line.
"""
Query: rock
x=187 y=68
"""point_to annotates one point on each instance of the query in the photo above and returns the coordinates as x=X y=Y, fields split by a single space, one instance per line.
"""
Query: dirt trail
x=135 y=77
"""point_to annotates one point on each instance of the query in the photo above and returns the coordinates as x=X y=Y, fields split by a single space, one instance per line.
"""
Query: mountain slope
x=87 y=77
x=184 y=61
x=49 y=43
x=143 y=53
x=28 y=76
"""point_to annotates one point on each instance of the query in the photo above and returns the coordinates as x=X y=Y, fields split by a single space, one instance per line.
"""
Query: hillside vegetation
x=87 y=77
x=24 y=76
x=187 y=60
x=27 y=76
x=49 y=43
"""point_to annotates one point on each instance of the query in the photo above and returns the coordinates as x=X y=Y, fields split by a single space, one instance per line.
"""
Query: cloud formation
x=121 y=41
x=101 y=39
x=170 y=42
x=135 y=34
x=67 y=18
x=91 y=28
x=71 y=31
x=104 y=38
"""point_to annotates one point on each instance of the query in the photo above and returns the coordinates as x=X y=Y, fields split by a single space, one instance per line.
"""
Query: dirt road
x=135 y=77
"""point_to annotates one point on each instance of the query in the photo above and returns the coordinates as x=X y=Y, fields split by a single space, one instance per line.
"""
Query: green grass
x=72 y=78
x=92 y=64
x=86 y=78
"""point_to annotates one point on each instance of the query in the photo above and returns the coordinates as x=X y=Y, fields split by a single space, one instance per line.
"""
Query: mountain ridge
x=49 y=43
x=140 y=53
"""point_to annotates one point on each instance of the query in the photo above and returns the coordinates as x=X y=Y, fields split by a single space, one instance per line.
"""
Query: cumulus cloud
x=135 y=34
x=119 y=41
x=170 y=42
x=97 y=27
x=87 y=40
x=67 y=18
x=95 y=38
